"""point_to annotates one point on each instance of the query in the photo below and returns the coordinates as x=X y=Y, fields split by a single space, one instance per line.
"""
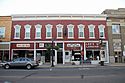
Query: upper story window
x=70 y=31
x=38 y=31
x=2 y=32
x=101 y=31
x=49 y=31
x=115 y=29
x=59 y=31
x=27 y=31
x=91 y=31
x=81 y=31
x=17 y=31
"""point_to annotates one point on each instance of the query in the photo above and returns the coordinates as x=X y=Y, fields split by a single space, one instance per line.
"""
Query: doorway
x=59 y=57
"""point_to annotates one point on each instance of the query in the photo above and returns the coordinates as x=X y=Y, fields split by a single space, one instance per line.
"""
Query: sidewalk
x=116 y=64
x=83 y=65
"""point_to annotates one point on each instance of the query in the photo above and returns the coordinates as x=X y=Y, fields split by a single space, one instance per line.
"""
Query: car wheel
x=28 y=66
x=7 y=66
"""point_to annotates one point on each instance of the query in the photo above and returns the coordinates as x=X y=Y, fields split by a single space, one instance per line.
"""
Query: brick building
x=75 y=35
x=116 y=33
x=5 y=36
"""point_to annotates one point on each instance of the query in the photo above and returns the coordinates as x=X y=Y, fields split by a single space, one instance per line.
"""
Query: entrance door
x=60 y=57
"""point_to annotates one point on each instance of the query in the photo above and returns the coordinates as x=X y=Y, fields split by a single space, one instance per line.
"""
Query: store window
x=115 y=29
x=27 y=31
x=59 y=31
x=38 y=31
x=49 y=31
x=17 y=31
x=101 y=31
x=93 y=54
x=81 y=31
x=91 y=31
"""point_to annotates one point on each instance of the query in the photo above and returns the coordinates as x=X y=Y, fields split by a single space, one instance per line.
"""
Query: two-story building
x=5 y=36
x=116 y=34
x=76 y=35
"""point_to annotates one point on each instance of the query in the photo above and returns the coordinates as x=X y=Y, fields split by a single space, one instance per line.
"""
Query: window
x=2 y=32
x=60 y=45
x=70 y=31
x=38 y=31
x=27 y=31
x=115 y=29
x=48 y=31
x=81 y=31
x=101 y=31
x=91 y=31
x=59 y=31
x=17 y=31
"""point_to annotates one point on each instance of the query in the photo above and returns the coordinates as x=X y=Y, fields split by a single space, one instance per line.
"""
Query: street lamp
x=101 y=52
x=52 y=65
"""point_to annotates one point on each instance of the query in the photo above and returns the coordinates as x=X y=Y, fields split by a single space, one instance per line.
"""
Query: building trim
x=22 y=17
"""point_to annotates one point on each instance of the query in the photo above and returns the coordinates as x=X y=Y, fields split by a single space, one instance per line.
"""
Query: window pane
x=59 y=34
x=115 y=29
x=38 y=34
x=91 y=34
x=81 y=34
x=48 y=34
x=2 y=32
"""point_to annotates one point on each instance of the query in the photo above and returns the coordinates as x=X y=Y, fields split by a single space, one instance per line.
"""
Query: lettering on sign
x=73 y=45
x=41 y=44
x=92 y=45
x=22 y=45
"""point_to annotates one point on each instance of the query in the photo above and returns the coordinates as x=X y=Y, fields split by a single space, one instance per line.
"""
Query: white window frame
x=117 y=29
x=2 y=32
x=101 y=30
x=70 y=26
x=59 y=26
x=92 y=26
x=17 y=27
x=81 y=26
x=26 y=28
x=47 y=27
x=38 y=28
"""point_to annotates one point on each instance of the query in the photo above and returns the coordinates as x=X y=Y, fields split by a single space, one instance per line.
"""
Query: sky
x=9 y=7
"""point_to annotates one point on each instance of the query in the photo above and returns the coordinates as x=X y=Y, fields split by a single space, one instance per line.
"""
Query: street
x=101 y=74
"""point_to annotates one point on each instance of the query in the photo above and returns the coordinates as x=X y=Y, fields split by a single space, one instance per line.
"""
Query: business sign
x=73 y=45
x=22 y=45
x=92 y=45
x=41 y=44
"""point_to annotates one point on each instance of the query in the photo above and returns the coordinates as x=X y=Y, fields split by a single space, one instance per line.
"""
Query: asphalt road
x=64 y=75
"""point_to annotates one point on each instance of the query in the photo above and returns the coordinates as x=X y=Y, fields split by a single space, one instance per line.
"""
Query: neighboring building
x=116 y=33
x=74 y=34
x=5 y=36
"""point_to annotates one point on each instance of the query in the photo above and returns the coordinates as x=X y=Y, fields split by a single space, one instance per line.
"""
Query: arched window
x=17 y=31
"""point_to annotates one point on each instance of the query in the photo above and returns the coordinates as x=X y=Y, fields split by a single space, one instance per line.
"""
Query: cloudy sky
x=8 y=7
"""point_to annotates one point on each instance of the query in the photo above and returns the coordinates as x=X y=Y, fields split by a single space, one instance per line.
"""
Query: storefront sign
x=41 y=44
x=92 y=45
x=73 y=45
x=22 y=45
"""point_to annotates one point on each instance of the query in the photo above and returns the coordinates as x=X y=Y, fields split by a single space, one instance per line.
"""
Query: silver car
x=20 y=62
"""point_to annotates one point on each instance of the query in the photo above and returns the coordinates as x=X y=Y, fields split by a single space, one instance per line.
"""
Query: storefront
x=4 y=51
x=93 y=52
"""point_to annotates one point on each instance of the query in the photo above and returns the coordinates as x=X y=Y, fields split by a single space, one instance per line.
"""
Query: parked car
x=20 y=62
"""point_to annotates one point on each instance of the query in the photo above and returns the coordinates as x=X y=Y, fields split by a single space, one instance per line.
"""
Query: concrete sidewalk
x=83 y=65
